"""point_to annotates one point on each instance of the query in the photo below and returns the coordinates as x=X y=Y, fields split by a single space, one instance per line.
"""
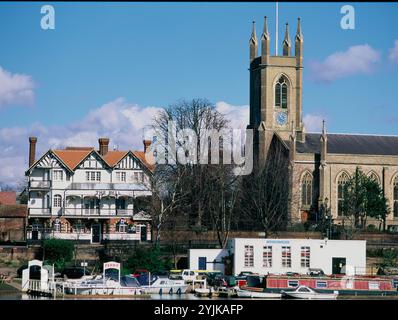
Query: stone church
x=320 y=163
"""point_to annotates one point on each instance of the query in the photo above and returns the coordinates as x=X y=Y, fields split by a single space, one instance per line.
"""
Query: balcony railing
x=40 y=184
x=39 y=211
x=84 y=212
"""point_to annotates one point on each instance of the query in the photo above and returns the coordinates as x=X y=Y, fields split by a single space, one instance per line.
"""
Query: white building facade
x=88 y=195
x=279 y=256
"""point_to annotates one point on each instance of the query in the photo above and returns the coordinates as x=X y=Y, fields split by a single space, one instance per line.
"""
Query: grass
x=6 y=287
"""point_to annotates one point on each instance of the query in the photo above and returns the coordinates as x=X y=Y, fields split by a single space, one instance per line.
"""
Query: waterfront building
x=89 y=195
x=279 y=256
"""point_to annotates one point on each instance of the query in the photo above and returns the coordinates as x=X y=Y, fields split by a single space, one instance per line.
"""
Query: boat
x=206 y=292
x=127 y=286
x=162 y=285
x=304 y=292
x=345 y=285
x=109 y=284
x=246 y=292
x=228 y=292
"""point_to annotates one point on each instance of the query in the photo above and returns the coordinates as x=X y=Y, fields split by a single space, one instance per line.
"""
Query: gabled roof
x=141 y=156
x=350 y=144
x=72 y=157
x=112 y=158
x=49 y=152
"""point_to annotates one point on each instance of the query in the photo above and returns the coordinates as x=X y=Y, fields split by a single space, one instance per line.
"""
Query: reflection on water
x=18 y=296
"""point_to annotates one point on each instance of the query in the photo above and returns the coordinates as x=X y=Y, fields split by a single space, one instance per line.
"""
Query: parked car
x=139 y=272
x=315 y=272
x=189 y=275
x=175 y=275
x=74 y=272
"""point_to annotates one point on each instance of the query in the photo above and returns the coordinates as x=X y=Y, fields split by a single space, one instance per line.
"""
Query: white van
x=189 y=275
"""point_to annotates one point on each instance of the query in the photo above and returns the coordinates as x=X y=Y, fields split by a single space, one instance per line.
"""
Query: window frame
x=57 y=201
x=305 y=256
x=281 y=93
x=341 y=191
x=267 y=257
x=286 y=256
x=248 y=256
x=58 y=175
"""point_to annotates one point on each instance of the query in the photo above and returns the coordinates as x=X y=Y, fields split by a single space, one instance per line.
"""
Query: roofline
x=48 y=152
x=85 y=157
x=356 y=134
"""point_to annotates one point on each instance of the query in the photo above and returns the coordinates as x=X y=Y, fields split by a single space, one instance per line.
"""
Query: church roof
x=350 y=144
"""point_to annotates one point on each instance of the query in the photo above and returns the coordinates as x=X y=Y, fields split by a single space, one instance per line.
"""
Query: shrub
x=372 y=227
x=147 y=258
x=58 y=252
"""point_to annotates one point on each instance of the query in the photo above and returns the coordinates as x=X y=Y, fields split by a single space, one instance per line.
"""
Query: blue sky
x=126 y=57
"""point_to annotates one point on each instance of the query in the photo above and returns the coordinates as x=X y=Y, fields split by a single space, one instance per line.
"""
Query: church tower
x=275 y=91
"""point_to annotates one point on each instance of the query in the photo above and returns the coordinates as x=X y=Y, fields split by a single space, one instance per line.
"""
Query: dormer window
x=281 y=93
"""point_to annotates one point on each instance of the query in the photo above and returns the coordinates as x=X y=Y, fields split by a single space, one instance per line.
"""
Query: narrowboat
x=345 y=285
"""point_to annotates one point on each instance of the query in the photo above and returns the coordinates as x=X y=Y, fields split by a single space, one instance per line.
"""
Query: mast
x=276 y=30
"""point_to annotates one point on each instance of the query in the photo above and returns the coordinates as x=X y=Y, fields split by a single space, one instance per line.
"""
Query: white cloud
x=237 y=115
x=15 y=88
x=122 y=122
x=313 y=122
x=393 y=55
x=360 y=59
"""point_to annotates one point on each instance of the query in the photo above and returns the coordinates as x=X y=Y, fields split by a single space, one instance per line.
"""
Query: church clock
x=281 y=118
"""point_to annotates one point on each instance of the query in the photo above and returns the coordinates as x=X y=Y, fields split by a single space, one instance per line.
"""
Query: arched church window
x=281 y=93
x=341 y=192
x=374 y=177
x=306 y=190
x=396 y=197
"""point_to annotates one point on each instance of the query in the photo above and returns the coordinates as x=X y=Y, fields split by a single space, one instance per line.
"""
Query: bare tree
x=266 y=192
x=201 y=192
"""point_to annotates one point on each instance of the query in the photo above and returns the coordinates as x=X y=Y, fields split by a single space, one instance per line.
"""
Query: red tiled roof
x=141 y=155
x=72 y=157
x=13 y=211
x=113 y=157
x=8 y=197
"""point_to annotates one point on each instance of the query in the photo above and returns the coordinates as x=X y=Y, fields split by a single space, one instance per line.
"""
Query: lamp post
x=328 y=217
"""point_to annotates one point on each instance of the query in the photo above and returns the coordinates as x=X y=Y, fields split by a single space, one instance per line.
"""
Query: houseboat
x=345 y=285
x=161 y=285
x=111 y=283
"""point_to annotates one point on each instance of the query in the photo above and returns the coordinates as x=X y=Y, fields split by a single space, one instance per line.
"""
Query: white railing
x=97 y=212
x=39 y=211
x=41 y=184
x=121 y=236
x=42 y=288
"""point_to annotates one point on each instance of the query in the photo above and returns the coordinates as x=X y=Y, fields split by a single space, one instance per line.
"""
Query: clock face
x=281 y=118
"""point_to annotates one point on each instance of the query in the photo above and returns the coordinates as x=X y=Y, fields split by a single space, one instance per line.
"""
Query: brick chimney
x=32 y=150
x=147 y=143
x=103 y=146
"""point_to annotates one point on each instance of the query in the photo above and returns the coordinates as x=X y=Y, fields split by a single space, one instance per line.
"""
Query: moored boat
x=345 y=285
x=246 y=292
x=206 y=292
x=104 y=285
x=304 y=292
x=163 y=285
